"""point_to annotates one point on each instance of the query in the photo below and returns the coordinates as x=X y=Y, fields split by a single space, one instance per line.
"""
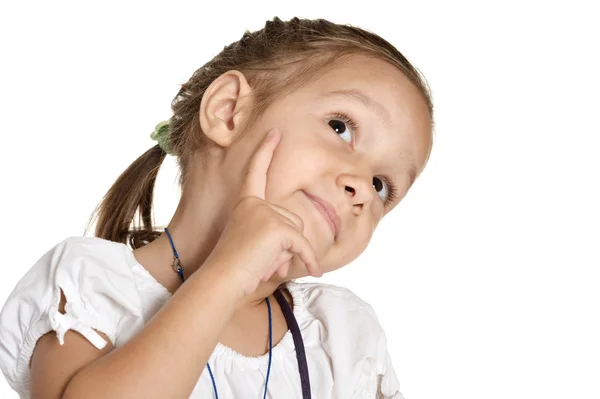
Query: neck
x=194 y=235
x=192 y=259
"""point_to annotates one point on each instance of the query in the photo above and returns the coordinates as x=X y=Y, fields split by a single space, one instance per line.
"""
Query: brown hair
x=275 y=60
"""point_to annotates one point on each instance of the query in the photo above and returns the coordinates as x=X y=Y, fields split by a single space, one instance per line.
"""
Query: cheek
x=296 y=163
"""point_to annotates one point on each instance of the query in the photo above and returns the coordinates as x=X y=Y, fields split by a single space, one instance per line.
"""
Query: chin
x=296 y=270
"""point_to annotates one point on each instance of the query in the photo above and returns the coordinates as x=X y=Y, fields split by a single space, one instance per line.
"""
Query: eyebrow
x=367 y=101
x=412 y=175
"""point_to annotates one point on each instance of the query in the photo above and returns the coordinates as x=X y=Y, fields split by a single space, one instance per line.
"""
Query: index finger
x=256 y=178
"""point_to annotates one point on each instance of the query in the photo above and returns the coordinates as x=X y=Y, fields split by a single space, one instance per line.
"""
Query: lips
x=329 y=213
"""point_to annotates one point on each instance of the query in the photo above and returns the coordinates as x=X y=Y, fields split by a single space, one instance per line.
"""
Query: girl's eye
x=380 y=187
x=385 y=189
x=339 y=123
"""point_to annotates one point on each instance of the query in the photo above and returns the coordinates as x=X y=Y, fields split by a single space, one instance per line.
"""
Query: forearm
x=168 y=356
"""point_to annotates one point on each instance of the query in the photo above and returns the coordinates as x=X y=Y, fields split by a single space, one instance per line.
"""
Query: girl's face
x=356 y=137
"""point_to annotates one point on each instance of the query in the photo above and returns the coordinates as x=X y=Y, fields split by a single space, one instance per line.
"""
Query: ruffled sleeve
x=349 y=331
x=100 y=296
x=388 y=386
x=378 y=377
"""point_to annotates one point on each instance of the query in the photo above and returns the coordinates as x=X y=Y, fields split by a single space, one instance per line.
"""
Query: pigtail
x=132 y=192
x=275 y=60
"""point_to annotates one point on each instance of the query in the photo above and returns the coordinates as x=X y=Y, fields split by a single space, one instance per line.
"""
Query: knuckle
x=247 y=202
x=297 y=220
x=243 y=202
x=273 y=226
x=300 y=222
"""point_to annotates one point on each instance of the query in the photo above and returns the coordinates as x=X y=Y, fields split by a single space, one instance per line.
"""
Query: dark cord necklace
x=178 y=267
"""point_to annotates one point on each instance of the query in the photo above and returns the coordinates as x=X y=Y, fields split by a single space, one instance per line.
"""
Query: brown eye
x=338 y=126
x=339 y=123
x=381 y=187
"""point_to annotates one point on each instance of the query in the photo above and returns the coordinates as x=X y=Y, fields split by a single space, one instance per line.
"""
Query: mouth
x=328 y=212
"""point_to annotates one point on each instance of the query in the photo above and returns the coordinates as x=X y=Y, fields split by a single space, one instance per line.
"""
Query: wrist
x=227 y=282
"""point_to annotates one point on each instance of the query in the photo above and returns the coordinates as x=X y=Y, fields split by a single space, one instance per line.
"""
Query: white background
x=486 y=277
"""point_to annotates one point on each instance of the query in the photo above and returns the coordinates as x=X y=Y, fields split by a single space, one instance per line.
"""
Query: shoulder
x=89 y=251
x=337 y=307
x=329 y=298
x=87 y=269
x=92 y=256
x=349 y=331
x=77 y=264
x=96 y=278
x=79 y=253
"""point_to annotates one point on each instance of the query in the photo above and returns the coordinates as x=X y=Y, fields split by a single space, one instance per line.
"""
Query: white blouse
x=109 y=291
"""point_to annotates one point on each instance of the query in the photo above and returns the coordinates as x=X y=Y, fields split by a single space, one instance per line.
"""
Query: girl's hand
x=260 y=238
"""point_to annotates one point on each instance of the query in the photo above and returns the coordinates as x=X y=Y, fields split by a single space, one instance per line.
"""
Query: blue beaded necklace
x=178 y=267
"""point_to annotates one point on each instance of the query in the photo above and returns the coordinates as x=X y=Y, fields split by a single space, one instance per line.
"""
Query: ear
x=225 y=107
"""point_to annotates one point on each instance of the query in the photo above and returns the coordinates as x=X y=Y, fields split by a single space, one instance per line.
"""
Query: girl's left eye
x=338 y=123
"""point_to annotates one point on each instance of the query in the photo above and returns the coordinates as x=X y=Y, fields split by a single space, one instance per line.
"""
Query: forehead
x=379 y=81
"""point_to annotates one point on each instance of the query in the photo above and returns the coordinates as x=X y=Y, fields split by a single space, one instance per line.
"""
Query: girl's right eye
x=338 y=123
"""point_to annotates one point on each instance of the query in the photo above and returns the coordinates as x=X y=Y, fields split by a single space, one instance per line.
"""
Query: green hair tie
x=161 y=136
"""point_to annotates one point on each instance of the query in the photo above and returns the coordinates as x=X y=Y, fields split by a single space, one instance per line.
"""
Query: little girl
x=293 y=143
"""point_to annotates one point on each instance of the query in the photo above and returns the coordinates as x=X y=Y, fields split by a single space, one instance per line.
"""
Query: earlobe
x=225 y=106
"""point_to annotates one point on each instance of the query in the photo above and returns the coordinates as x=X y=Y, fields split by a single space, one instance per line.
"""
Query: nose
x=358 y=189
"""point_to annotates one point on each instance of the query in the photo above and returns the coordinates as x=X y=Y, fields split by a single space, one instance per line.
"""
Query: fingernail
x=271 y=133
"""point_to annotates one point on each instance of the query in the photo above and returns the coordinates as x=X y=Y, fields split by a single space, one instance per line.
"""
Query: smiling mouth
x=324 y=214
